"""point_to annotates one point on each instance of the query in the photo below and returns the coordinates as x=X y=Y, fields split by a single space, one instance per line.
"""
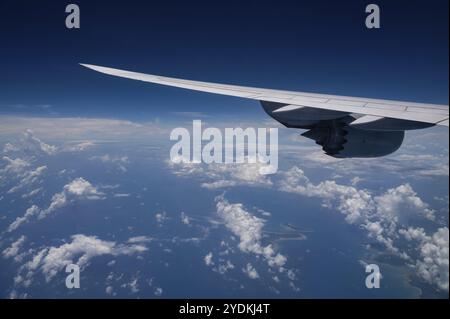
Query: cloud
x=161 y=217
x=30 y=213
x=32 y=192
x=352 y=202
x=250 y=271
x=403 y=200
x=132 y=285
x=433 y=264
x=79 y=188
x=381 y=216
x=121 y=195
x=208 y=259
x=28 y=178
x=81 y=128
x=14 y=166
x=120 y=161
x=80 y=251
x=423 y=155
x=158 y=291
x=13 y=250
x=249 y=230
x=79 y=147
x=223 y=267
x=185 y=218
x=10 y=148
x=82 y=188
x=140 y=239
x=35 y=144
x=218 y=176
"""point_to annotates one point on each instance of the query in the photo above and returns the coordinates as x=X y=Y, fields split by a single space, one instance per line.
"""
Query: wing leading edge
x=290 y=101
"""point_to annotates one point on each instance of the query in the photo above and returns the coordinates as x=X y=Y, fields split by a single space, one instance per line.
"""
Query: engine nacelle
x=344 y=141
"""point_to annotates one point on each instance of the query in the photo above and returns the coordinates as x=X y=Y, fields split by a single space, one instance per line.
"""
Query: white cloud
x=208 y=259
x=132 y=285
x=352 y=202
x=140 y=239
x=28 y=178
x=185 y=218
x=14 y=166
x=82 y=188
x=158 y=291
x=32 y=192
x=13 y=250
x=30 y=213
x=35 y=144
x=10 y=148
x=403 y=200
x=80 y=250
x=121 y=195
x=218 y=176
x=161 y=217
x=79 y=147
x=79 y=188
x=356 y=180
x=250 y=271
x=224 y=267
x=109 y=290
x=381 y=216
x=249 y=230
x=81 y=128
x=119 y=161
x=433 y=264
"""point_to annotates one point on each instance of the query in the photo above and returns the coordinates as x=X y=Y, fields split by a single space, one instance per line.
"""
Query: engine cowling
x=342 y=141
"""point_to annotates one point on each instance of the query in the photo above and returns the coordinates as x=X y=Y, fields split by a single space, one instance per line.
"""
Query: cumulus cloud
x=161 y=217
x=119 y=161
x=79 y=188
x=28 y=178
x=30 y=213
x=381 y=216
x=81 y=249
x=352 y=201
x=10 y=148
x=158 y=291
x=13 y=250
x=403 y=200
x=208 y=259
x=185 y=218
x=433 y=264
x=218 y=176
x=223 y=267
x=14 y=166
x=32 y=192
x=249 y=230
x=33 y=143
x=250 y=271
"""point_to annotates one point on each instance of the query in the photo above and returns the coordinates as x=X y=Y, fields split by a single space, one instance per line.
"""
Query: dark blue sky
x=317 y=46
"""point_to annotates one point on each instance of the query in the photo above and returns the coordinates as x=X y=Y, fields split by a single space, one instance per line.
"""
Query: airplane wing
x=344 y=126
x=373 y=109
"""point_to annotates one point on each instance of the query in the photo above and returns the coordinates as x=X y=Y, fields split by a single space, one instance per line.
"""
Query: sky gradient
x=320 y=46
